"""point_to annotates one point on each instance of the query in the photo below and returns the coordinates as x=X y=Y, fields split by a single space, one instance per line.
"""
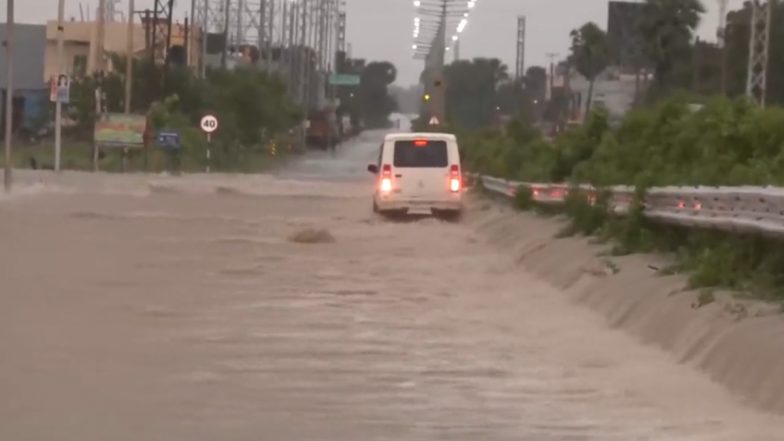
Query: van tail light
x=386 y=178
x=455 y=182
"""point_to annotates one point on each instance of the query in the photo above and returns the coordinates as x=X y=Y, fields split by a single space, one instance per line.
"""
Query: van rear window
x=421 y=154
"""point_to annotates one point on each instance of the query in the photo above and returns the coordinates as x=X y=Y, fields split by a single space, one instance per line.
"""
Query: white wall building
x=613 y=90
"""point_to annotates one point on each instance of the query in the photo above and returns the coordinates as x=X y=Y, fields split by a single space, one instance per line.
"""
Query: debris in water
x=312 y=236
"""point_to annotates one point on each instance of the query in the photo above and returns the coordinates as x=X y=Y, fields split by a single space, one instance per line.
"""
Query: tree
x=668 y=27
x=590 y=54
x=472 y=91
x=375 y=101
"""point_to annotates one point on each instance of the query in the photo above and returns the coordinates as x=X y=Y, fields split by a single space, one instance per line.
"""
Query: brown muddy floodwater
x=176 y=308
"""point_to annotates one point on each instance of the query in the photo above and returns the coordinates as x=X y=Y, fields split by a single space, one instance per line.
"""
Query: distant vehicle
x=322 y=131
x=418 y=172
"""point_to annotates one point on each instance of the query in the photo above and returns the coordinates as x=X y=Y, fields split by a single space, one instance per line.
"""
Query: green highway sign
x=344 y=80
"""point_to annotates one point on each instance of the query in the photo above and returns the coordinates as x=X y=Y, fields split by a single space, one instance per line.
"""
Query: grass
x=750 y=265
x=77 y=155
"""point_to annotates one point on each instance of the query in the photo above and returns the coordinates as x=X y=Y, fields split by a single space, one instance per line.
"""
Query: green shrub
x=724 y=143
x=524 y=199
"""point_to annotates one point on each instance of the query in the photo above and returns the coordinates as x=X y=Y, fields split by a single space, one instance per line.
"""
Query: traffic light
x=427 y=97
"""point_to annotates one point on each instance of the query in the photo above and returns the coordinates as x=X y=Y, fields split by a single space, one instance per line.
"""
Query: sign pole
x=209 y=141
x=208 y=124
x=58 y=106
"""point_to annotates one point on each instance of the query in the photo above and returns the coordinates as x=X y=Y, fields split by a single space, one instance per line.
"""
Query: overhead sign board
x=344 y=80
x=209 y=123
x=60 y=89
x=118 y=129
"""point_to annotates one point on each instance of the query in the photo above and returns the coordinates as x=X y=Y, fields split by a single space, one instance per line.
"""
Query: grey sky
x=381 y=29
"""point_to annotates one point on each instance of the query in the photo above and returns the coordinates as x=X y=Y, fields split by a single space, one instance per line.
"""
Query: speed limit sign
x=209 y=124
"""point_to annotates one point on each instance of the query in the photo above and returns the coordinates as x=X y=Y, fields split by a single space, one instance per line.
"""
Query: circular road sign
x=209 y=123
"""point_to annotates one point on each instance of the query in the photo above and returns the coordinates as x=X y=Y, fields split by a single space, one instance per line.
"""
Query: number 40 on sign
x=209 y=124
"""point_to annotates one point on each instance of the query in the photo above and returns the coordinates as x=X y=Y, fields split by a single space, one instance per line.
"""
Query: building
x=31 y=92
x=81 y=50
x=614 y=90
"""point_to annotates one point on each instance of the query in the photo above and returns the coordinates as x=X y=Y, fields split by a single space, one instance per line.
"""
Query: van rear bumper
x=419 y=204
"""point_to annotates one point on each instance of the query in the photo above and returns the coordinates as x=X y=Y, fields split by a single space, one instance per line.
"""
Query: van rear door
x=421 y=168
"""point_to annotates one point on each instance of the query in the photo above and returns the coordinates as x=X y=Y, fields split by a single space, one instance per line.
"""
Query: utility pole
x=240 y=37
x=99 y=68
x=551 y=56
x=303 y=68
x=262 y=40
x=271 y=39
x=438 y=95
x=129 y=59
x=284 y=45
x=291 y=74
x=9 y=92
x=520 y=61
x=99 y=50
x=205 y=29
x=58 y=106
x=192 y=35
x=227 y=16
x=721 y=35
x=756 y=81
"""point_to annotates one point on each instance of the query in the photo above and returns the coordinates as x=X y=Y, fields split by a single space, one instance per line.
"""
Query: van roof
x=409 y=136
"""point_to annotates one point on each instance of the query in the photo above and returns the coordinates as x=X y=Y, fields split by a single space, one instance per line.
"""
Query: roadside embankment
x=739 y=343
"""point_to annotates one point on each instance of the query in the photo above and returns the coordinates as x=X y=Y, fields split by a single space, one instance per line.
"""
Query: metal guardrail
x=735 y=209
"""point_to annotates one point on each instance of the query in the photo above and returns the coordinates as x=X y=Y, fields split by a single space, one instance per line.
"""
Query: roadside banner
x=120 y=130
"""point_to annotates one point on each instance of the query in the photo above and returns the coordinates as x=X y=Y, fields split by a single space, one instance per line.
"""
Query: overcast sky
x=381 y=29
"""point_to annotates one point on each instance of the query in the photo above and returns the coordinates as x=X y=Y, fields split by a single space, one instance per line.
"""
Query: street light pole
x=58 y=106
x=9 y=92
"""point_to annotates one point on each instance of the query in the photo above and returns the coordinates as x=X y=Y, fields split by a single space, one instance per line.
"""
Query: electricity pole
x=99 y=69
x=58 y=106
x=721 y=35
x=262 y=40
x=129 y=59
x=551 y=56
x=520 y=60
x=271 y=39
x=226 y=34
x=9 y=91
x=757 y=81
x=304 y=56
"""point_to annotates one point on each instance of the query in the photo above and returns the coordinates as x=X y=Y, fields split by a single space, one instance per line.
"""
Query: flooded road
x=177 y=308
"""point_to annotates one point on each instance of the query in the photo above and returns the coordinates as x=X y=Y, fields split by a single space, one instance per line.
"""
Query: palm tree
x=668 y=27
x=590 y=55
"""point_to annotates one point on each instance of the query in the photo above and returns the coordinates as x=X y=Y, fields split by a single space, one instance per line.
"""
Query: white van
x=418 y=172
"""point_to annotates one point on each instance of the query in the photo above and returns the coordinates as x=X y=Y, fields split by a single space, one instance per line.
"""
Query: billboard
x=117 y=129
x=623 y=33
